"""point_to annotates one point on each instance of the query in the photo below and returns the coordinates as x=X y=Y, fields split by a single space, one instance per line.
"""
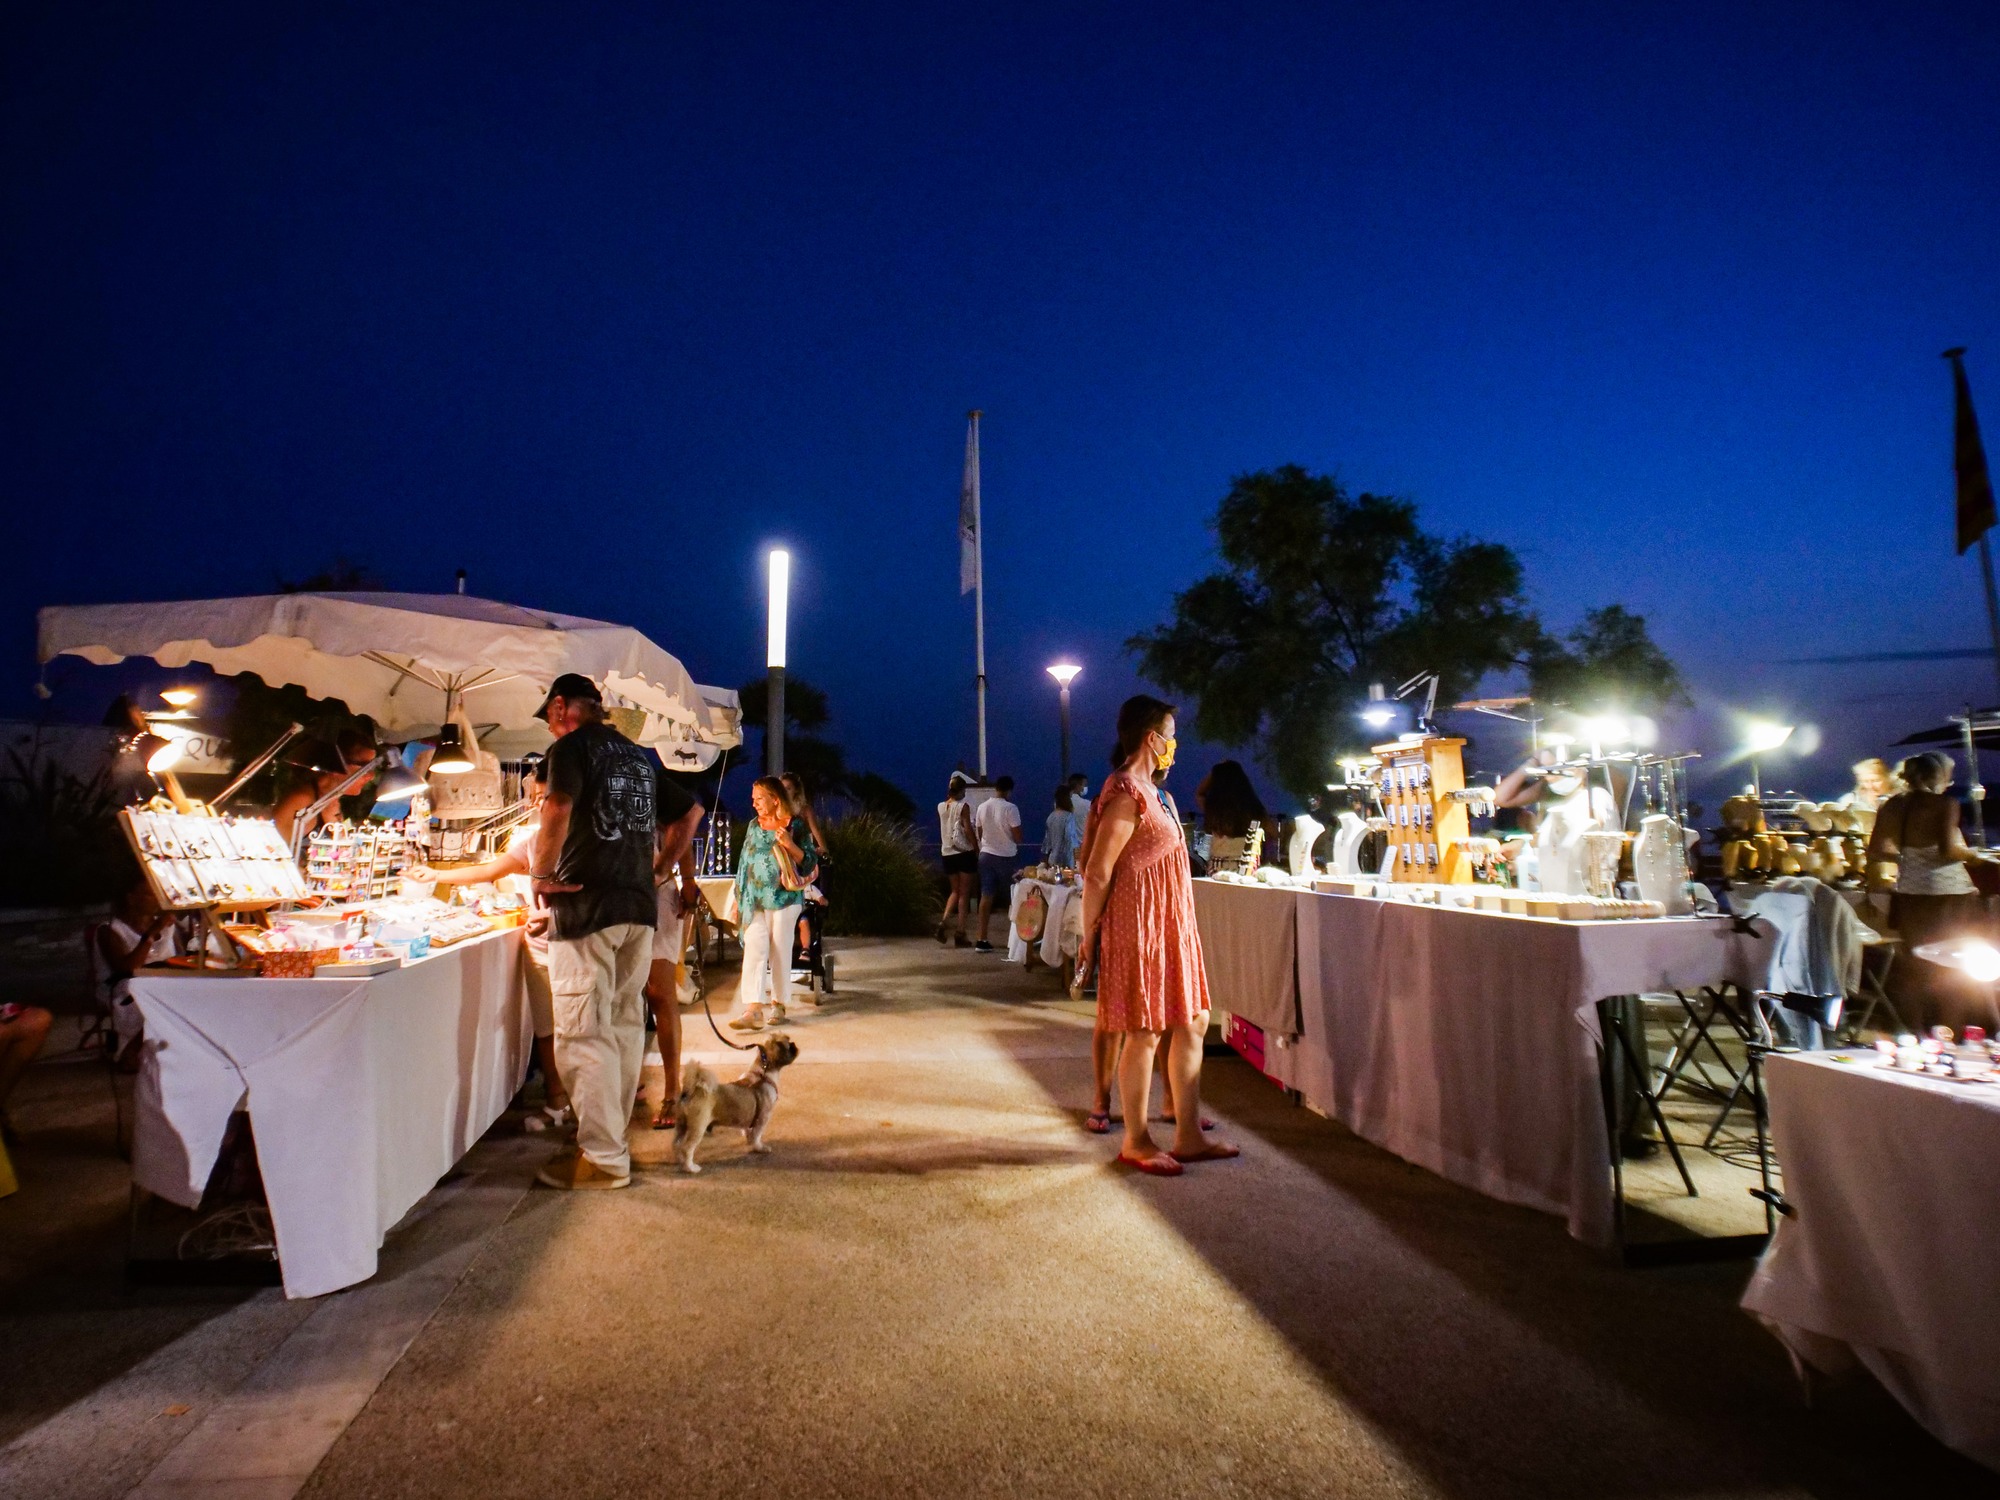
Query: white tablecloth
x=1889 y=1259
x=720 y=893
x=362 y=1093
x=1250 y=948
x=1048 y=947
x=1467 y=1042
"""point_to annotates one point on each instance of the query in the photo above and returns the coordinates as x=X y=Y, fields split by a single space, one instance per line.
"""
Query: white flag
x=968 y=510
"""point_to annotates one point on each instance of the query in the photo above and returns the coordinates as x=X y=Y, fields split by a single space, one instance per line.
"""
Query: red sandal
x=1162 y=1165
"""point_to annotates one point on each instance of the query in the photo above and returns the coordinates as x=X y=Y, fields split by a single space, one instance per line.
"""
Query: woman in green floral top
x=766 y=912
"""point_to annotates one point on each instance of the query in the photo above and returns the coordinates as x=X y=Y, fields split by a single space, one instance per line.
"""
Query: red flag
x=1968 y=461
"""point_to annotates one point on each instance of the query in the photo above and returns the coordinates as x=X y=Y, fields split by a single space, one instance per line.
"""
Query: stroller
x=809 y=955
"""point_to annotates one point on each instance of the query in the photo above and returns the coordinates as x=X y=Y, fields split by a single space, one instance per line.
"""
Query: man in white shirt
x=998 y=823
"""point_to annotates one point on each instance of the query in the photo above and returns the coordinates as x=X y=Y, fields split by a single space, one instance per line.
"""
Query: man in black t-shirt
x=593 y=863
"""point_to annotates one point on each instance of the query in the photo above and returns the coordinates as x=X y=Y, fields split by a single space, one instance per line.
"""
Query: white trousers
x=599 y=983
x=767 y=956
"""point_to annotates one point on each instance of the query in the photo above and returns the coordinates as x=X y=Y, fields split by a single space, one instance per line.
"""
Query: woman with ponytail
x=1138 y=911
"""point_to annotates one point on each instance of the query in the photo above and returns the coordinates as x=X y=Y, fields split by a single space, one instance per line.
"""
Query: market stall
x=1880 y=1261
x=374 y=1037
x=1038 y=911
x=362 y=1091
x=1469 y=1041
x=1250 y=952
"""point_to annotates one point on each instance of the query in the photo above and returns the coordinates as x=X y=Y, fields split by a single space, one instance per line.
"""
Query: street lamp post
x=774 y=662
x=1064 y=674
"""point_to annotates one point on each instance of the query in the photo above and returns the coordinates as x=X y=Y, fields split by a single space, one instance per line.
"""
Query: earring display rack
x=345 y=863
x=1427 y=825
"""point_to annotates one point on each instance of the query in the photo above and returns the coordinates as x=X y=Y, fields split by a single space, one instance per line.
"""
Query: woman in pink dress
x=1138 y=907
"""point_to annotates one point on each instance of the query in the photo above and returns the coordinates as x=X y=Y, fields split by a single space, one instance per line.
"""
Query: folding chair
x=1713 y=1003
x=1874 y=988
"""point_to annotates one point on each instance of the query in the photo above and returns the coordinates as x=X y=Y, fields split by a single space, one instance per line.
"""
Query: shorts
x=996 y=876
x=961 y=864
x=667 y=931
x=541 y=998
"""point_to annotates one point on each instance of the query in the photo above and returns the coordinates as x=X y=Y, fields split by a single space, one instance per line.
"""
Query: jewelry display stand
x=1306 y=830
x=199 y=863
x=1426 y=823
x=1659 y=864
x=1351 y=830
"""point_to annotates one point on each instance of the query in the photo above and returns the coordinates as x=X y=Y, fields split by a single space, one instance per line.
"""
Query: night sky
x=596 y=302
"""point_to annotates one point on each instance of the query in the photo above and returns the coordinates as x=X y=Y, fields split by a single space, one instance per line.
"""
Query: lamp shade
x=451 y=758
x=398 y=782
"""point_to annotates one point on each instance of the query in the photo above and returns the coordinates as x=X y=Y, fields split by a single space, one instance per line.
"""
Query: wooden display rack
x=207 y=907
x=1427 y=828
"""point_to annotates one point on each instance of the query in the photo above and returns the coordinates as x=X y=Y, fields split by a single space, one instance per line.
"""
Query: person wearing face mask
x=1138 y=914
x=1079 y=806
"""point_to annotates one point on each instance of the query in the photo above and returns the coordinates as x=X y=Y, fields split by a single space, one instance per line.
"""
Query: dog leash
x=700 y=907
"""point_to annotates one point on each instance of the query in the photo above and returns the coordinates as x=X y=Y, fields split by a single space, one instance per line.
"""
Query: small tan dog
x=746 y=1104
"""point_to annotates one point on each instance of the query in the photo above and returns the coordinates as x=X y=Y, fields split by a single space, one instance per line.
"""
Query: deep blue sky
x=595 y=301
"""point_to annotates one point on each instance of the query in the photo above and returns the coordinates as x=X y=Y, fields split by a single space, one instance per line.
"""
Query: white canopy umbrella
x=682 y=747
x=398 y=658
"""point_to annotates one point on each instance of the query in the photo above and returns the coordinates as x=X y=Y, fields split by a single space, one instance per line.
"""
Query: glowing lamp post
x=774 y=661
x=1064 y=674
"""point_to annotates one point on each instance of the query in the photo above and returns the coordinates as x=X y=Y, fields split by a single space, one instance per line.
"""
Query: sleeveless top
x=951 y=828
x=1922 y=871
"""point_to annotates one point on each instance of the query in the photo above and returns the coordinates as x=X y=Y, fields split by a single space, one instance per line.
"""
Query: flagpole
x=1993 y=601
x=979 y=592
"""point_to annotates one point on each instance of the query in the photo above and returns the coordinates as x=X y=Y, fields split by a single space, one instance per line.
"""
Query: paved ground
x=937 y=1285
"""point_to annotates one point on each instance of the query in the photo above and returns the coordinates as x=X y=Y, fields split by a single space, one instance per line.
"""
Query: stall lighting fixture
x=1607 y=729
x=179 y=697
x=165 y=755
x=398 y=782
x=1379 y=714
x=451 y=758
x=1761 y=736
x=1980 y=961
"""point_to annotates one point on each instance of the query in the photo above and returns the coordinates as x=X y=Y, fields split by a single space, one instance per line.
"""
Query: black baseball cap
x=569 y=685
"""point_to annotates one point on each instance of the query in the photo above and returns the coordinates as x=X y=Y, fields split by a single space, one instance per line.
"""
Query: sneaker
x=573 y=1171
x=982 y=946
x=750 y=1020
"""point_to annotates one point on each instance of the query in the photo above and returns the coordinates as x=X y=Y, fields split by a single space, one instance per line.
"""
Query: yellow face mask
x=1164 y=759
